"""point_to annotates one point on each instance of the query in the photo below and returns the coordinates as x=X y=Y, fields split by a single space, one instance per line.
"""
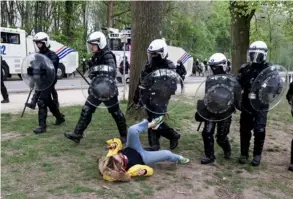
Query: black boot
x=42 y=117
x=60 y=119
x=154 y=140
x=121 y=125
x=33 y=103
x=174 y=139
x=169 y=133
x=55 y=97
x=40 y=130
x=222 y=137
x=245 y=136
x=208 y=142
x=259 y=139
x=227 y=149
x=4 y=101
x=83 y=122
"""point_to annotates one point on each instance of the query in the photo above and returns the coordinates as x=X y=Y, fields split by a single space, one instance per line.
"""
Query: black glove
x=198 y=118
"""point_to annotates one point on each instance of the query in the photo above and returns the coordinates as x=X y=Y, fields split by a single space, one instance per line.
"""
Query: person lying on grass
x=122 y=164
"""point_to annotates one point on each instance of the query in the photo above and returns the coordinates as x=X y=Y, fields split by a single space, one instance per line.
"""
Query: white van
x=16 y=45
x=115 y=44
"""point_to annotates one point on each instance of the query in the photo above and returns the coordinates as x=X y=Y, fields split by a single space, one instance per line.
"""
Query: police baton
x=28 y=97
x=82 y=76
x=198 y=128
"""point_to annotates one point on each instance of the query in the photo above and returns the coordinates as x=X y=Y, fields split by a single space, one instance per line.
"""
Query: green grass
x=55 y=166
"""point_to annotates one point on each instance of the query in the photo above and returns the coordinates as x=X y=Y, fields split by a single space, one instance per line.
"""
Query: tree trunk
x=109 y=14
x=37 y=28
x=147 y=22
x=240 y=27
x=85 y=21
x=68 y=21
x=4 y=12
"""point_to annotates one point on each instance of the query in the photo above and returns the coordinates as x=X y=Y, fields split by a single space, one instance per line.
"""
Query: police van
x=16 y=44
x=117 y=47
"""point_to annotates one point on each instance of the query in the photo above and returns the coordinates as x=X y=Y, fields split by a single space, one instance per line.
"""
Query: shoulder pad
x=244 y=65
x=171 y=65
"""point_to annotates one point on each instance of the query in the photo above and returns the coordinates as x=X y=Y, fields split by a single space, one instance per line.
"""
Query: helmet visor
x=256 y=55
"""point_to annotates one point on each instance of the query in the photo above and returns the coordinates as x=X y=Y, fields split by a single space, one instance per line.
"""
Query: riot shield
x=158 y=88
x=38 y=71
x=218 y=97
x=102 y=91
x=268 y=88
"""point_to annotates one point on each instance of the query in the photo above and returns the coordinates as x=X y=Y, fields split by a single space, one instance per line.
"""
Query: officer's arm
x=171 y=65
x=147 y=70
x=109 y=60
x=290 y=92
x=55 y=60
x=239 y=77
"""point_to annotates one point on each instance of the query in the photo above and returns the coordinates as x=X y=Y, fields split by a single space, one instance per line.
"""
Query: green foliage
x=202 y=28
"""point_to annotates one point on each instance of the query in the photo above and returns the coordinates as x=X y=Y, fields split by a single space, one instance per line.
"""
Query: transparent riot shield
x=218 y=97
x=102 y=91
x=161 y=91
x=268 y=88
x=38 y=71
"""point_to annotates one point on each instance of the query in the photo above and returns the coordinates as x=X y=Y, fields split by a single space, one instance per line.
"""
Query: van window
x=10 y=38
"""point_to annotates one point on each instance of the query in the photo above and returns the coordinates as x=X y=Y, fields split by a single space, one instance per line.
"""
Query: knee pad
x=118 y=115
x=41 y=104
x=222 y=140
x=207 y=134
x=86 y=110
x=259 y=130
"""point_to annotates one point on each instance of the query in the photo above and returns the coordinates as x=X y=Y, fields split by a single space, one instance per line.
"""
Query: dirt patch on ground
x=11 y=135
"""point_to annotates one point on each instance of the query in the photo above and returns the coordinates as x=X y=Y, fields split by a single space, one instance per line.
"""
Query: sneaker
x=183 y=160
x=158 y=121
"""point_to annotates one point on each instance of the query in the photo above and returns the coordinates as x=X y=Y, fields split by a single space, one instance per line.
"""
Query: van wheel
x=60 y=71
x=5 y=71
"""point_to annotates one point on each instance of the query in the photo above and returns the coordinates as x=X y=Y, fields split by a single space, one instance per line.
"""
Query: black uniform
x=223 y=128
x=205 y=65
x=3 y=87
x=44 y=98
x=104 y=57
x=55 y=60
x=289 y=97
x=164 y=130
x=251 y=119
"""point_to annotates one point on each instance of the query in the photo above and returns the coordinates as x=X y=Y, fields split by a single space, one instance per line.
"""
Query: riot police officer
x=218 y=65
x=251 y=119
x=45 y=50
x=97 y=44
x=157 y=59
x=289 y=97
x=43 y=98
x=3 y=87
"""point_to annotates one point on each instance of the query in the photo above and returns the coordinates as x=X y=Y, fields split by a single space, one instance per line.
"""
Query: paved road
x=71 y=97
x=18 y=86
